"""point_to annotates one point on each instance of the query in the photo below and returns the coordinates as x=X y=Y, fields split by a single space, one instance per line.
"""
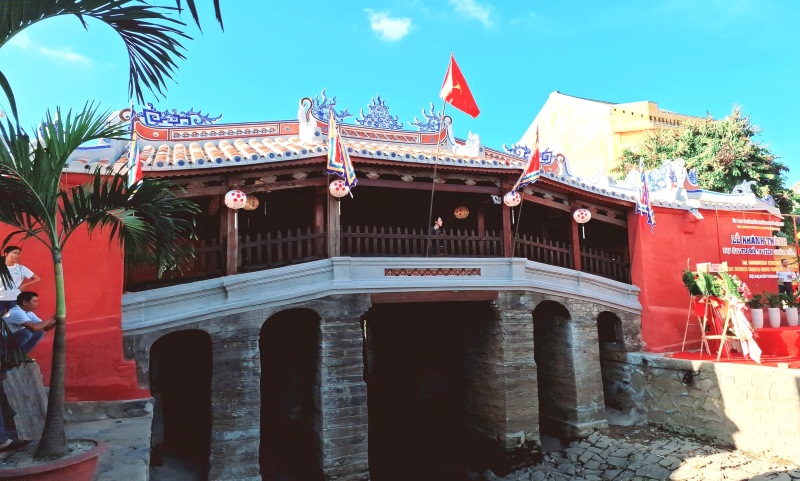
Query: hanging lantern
x=251 y=203
x=461 y=212
x=235 y=199
x=512 y=199
x=582 y=216
x=338 y=188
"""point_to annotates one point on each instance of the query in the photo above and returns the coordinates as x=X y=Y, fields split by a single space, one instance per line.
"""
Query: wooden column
x=320 y=197
x=576 y=239
x=508 y=229
x=481 y=218
x=230 y=234
x=334 y=227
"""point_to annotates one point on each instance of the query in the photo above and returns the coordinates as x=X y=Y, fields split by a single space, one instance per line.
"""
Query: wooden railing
x=360 y=241
x=544 y=251
x=209 y=261
x=280 y=248
x=276 y=249
x=606 y=264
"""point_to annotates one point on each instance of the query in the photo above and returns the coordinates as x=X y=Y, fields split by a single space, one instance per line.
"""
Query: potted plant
x=37 y=205
x=756 y=305
x=775 y=304
x=791 y=308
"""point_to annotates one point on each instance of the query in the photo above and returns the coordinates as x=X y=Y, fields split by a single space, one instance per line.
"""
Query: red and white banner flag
x=455 y=90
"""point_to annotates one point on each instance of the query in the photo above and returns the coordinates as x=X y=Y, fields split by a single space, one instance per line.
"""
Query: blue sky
x=689 y=56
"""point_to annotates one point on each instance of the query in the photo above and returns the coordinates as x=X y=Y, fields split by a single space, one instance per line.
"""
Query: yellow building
x=592 y=134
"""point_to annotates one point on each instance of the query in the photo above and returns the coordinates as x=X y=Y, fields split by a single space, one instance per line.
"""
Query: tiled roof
x=192 y=149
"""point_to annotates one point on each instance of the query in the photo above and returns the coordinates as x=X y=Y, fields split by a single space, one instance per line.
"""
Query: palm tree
x=35 y=201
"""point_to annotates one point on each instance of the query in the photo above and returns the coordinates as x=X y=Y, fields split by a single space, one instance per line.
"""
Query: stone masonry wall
x=345 y=419
x=755 y=408
x=569 y=363
x=235 y=387
x=500 y=377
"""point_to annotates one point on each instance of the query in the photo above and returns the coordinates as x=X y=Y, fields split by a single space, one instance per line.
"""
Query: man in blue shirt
x=26 y=326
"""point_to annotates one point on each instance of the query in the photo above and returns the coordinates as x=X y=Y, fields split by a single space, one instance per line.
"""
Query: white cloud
x=65 y=54
x=23 y=41
x=388 y=28
x=474 y=10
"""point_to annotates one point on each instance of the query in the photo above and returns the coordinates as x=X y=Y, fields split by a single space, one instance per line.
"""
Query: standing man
x=26 y=326
x=436 y=245
x=785 y=278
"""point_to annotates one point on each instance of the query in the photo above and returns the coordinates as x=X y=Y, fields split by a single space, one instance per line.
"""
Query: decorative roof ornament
x=769 y=200
x=379 y=117
x=432 y=122
x=152 y=117
x=518 y=150
x=472 y=147
x=744 y=187
x=323 y=108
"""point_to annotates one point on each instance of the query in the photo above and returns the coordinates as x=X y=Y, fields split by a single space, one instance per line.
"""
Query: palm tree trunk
x=53 y=442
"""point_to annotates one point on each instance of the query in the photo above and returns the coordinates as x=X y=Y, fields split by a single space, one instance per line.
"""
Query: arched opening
x=180 y=383
x=423 y=374
x=555 y=368
x=291 y=426
x=612 y=355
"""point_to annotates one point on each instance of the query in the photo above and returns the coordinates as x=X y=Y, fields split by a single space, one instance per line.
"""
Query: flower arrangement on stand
x=722 y=298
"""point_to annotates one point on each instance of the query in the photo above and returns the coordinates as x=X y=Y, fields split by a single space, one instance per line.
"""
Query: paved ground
x=644 y=453
x=617 y=454
x=128 y=455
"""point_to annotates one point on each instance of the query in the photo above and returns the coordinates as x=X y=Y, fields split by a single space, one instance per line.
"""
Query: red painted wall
x=678 y=240
x=93 y=276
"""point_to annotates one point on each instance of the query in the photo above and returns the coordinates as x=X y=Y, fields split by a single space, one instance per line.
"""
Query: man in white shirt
x=785 y=277
x=25 y=326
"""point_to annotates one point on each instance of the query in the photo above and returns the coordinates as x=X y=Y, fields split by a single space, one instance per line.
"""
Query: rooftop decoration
x=166 y=118
x=519 y=150
x=322 y=108
x=432 y=122
x=379 y=117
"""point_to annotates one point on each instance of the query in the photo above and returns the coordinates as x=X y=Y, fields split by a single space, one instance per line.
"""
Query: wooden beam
x=432 y=296
x=400 y=184
x=546 y=202
x=320 y=206
x=252 y=189
x=576 y=245
x=334 y=227
x=228 y=217
x=508 y=242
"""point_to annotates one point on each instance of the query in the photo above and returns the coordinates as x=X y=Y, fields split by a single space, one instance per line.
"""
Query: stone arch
x=180 y=368
x=555 y=367
x=291 y=412
x=611 y=341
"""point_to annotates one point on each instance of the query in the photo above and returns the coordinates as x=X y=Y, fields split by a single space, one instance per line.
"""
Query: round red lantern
x=461 y=212
x=251 y=203
x=512 y=199
x=338 y=188
x=582 y=216
x=235 y=199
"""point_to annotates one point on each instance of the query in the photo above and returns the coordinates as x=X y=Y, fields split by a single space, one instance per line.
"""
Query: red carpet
x=780 y=347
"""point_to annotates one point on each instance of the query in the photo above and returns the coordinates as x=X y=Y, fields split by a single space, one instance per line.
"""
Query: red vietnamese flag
x=456 y=92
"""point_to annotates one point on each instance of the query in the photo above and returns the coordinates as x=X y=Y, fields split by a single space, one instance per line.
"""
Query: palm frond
x=145 y=220
x=153 y=36
x=30 y=172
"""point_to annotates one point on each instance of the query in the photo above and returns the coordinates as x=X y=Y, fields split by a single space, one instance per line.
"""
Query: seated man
x=26 y=327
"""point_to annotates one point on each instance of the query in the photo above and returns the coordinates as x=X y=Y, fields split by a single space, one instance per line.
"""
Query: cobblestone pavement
x=643 y=454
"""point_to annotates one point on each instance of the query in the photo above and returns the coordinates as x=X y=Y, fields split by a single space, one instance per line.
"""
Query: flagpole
x=433 y=184
x=519 y=219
